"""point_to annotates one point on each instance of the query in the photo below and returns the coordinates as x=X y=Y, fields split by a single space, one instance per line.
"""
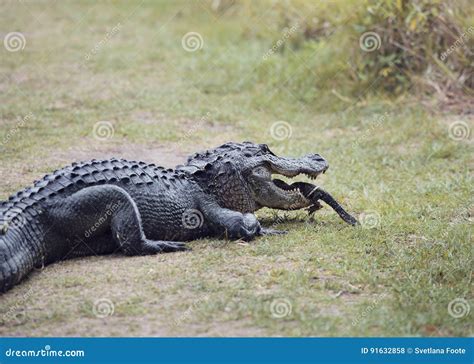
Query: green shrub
x=389 y=45
x=417 y=38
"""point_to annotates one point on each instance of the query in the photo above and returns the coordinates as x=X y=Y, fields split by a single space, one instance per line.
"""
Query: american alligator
x=137 y=208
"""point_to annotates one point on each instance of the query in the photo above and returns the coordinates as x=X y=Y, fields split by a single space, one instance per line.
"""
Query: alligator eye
x=4 y=228
x=265 y=149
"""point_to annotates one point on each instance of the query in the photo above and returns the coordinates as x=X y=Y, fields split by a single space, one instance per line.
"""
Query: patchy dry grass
x=392 y=162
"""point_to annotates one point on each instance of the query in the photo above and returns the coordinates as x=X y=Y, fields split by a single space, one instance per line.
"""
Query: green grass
x=390 y=160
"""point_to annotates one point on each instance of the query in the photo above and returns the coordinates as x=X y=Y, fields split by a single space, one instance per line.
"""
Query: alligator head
x=240 y=176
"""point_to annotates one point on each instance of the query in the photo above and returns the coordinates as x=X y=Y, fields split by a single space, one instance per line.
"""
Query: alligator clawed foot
x=177 y=247
x=351 y=220
x=166 y=246
x=314 y=207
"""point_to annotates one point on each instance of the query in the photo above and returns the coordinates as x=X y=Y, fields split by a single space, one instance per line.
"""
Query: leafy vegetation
x=389 y=45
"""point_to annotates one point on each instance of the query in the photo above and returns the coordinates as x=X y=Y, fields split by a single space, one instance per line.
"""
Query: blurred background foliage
x=425 y=47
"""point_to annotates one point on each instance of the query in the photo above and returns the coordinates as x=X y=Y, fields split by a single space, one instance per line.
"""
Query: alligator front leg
x=98 y=210
x=231 y=224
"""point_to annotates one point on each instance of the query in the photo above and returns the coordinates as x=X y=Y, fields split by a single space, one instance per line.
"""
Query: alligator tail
x=20 y=246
